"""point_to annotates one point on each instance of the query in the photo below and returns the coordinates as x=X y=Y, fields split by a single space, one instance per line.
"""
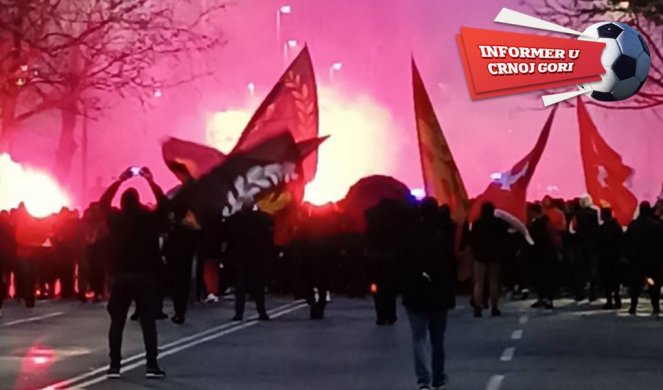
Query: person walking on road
x=251 y=248
x=609 y=250
x=543 y=257
x=179 y=249
x=488 y=241
x=428 y=290
x=644 y=251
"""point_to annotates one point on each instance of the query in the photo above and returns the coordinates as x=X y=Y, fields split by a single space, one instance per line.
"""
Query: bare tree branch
x=644 y=15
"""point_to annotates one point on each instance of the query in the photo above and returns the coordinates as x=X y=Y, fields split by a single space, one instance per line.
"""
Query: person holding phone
x=135 y=262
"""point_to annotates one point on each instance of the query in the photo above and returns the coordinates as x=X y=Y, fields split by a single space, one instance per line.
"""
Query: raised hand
x=146 y=173
x=126 y=175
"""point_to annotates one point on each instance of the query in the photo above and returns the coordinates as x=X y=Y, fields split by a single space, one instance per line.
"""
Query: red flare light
x=37 y=189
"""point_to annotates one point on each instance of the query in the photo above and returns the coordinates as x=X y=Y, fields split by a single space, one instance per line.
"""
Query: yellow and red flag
x=442 y=179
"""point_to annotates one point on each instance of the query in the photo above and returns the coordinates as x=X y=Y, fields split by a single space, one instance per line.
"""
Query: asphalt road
x=576 y=346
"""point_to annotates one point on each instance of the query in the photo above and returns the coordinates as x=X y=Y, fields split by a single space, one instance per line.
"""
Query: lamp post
x=289 y=44
x=335 y=67
x=283 y=10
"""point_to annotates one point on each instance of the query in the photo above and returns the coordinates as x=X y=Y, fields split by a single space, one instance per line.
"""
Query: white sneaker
x=211 y=298
x=328 y=297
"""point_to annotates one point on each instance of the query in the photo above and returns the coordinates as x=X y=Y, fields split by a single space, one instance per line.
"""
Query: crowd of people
x=411 y=248
x=579 y=251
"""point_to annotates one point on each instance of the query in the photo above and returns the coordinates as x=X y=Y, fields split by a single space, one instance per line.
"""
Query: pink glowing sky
x=374 y=40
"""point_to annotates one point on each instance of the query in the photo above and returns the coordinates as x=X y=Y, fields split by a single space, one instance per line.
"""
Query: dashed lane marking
x=495 y=382
x=507 y=355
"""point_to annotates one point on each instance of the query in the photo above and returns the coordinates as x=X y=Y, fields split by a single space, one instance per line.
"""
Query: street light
x=289 y=44
x=283 y=10
x=252 y=89
x=335 y=67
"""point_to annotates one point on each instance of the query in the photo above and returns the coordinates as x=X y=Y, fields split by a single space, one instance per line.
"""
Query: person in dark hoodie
x=489 y=243
x=135 y=262
x=250 y=236
x=543 y=256
x=609 y=239
x=644 y=251
x=179 y=249
x=584 y=226
x=428 y=271
x=383 y=229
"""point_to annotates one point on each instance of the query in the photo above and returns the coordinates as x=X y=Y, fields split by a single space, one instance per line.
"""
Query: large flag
x=292 y=104
x=605 y=173
x=245 y=177
x=509 y=192
x=441 y=176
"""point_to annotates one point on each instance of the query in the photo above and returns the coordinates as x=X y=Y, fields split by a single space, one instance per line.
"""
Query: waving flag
x=508 y=193
x=291 y=107
x=441 y=176
x=189 y=160
x=245 y=177
x=292 y=104
x=605 y=173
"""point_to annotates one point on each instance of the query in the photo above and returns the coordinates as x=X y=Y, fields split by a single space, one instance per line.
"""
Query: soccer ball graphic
x=625 y=59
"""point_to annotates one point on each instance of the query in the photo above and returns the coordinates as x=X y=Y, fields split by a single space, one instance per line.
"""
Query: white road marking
x=275 y=313
x=33 y=319
x=495 y=382
x=523 y=320
x=507 y=355
x=563 y=302
x=180 y=348
x=517 y=334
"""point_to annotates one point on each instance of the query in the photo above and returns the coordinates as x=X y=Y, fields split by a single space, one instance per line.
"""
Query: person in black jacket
x=251 y=250
x=543 y=256
x=584 y=226
x=428 y=269
x=179 y=249
x=609 y=239
x=135 y=262
x=489 y=243
x=383 y=229
x=644 y=251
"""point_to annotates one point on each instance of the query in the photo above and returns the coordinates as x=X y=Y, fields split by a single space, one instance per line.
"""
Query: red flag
x=441 y=176
x=189 y=160
x=292 y=104
x=509 y=192
x=605 y=173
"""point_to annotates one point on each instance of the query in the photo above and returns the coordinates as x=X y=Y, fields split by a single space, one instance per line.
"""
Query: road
x=576 y=346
